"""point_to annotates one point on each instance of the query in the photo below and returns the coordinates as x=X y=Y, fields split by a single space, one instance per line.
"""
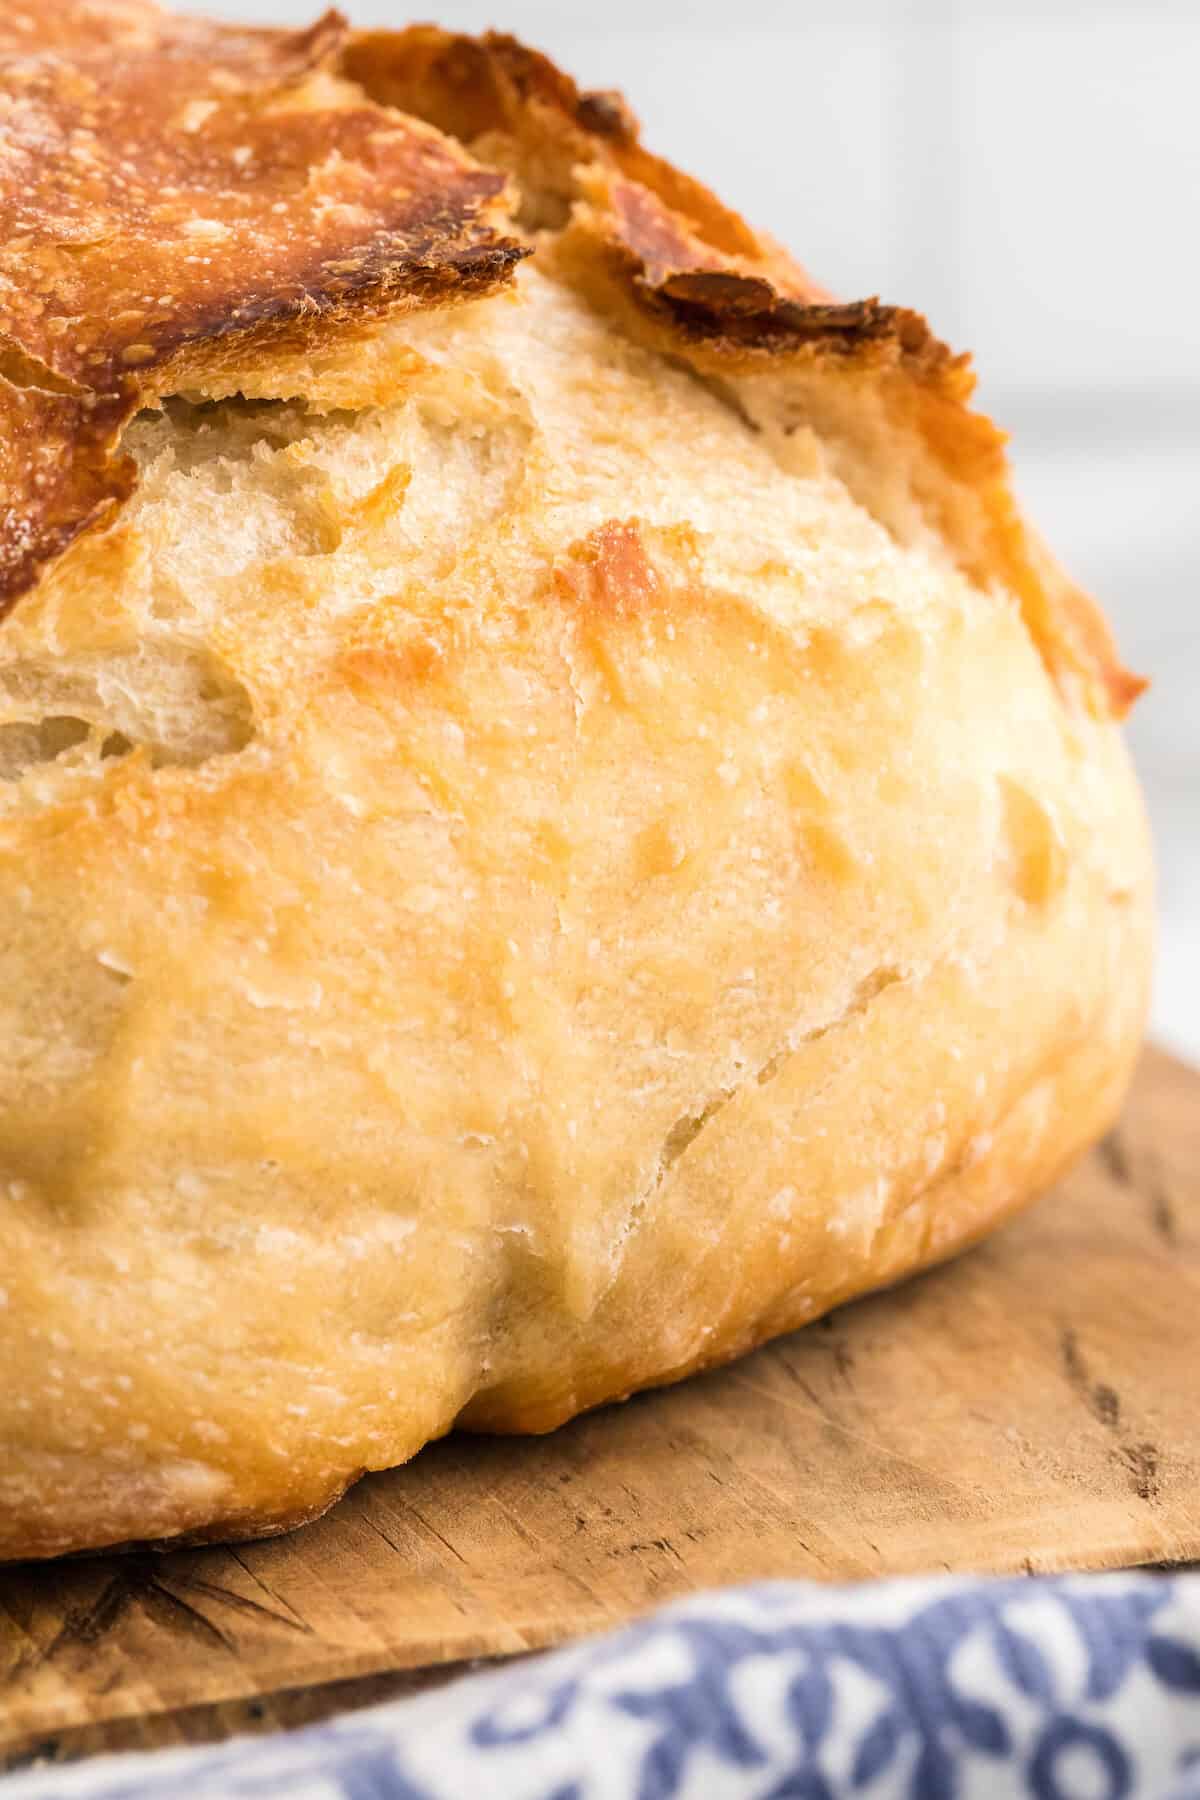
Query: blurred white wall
x=1027 y=172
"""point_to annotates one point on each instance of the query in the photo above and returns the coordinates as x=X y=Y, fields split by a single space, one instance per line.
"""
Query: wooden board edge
x=420 y=1666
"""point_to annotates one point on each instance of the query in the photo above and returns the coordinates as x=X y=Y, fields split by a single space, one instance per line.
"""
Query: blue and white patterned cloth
x=1084 y=1688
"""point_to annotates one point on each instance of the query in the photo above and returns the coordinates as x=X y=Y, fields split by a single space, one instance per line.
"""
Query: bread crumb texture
x=554 y=820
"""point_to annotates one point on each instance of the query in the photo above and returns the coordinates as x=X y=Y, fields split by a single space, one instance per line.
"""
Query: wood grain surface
x=1031 y=1406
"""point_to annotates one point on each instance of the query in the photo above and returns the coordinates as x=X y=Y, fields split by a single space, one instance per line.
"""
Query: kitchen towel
x=1063 y=1688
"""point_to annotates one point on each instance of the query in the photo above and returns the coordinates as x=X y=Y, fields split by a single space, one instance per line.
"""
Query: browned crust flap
x=731 y=319
x=683 y=273
x=58 y=474
x=179 y=196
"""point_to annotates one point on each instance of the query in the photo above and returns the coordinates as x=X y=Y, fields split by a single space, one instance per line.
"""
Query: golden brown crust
x=512 y=102
x=72 y=1531
x=179 y=197
x=689 y=277
x=208 y=182
x=234 y=140
x=58 y=474
x=71 y=24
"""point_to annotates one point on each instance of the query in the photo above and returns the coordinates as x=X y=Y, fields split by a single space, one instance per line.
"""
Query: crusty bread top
x=242 y=199
x=181 y=201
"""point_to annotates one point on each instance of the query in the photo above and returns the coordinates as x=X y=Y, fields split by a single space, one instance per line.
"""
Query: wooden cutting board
x=1032 y=1406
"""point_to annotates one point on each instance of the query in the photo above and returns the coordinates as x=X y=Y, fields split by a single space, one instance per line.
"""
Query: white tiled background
x=1027 y=172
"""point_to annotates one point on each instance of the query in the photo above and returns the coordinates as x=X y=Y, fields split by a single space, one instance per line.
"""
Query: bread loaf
x=555 y=820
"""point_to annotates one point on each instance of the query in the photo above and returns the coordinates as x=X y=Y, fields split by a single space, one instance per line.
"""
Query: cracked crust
x=585 y=837
x=685 y=275
x=182 y=202
x=247 y=127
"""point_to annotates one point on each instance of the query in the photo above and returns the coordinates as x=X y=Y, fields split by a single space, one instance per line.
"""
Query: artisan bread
x=555 y=821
